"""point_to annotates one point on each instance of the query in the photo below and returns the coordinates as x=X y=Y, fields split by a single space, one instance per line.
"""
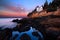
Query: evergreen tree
x=56 y=3
x=51 y=7
x=45 y=5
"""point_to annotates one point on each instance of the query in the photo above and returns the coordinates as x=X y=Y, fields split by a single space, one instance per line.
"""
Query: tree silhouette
x=45 y=5
x=52 y=6
x=56 y=3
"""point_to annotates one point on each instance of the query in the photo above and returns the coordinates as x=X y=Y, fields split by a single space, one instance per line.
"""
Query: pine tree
x=45 y=5
x=52 y=6
x=56 y=3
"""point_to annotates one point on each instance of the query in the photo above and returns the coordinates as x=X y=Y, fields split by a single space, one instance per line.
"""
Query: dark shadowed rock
x=15 y=20
x=25 y=37
x=37 y=35
x=24 y=29
x=58 y=38
x=5 y=34
x=21 y=28
x=14 y=38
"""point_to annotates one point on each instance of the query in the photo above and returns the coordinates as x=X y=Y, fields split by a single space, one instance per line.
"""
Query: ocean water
x=7 y=23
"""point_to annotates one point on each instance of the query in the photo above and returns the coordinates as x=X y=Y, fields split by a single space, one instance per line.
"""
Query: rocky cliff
x=43 y=13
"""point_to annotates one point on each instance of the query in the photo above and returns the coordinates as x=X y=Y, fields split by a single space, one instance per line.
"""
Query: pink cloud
x=16 y=9
x=12 y=14
x=15 y=12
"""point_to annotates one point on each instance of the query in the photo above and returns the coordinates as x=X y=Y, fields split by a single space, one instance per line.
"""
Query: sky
x=18 y=8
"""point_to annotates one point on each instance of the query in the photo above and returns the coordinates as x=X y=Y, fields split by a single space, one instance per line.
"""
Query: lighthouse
x=39 y=9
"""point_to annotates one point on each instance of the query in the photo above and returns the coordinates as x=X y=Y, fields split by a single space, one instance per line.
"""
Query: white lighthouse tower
x=39 y=9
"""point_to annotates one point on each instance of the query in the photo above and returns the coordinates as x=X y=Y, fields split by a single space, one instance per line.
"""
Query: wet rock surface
x=25 y=37
x=15 y=20
x=14 y=38
x=21 y=28
x=37 y=35
x=5 y=34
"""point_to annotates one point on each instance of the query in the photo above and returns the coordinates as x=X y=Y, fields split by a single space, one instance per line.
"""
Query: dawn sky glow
x=19 y=7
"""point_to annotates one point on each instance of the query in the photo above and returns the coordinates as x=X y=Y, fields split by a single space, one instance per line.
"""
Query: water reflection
x=14 y=33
